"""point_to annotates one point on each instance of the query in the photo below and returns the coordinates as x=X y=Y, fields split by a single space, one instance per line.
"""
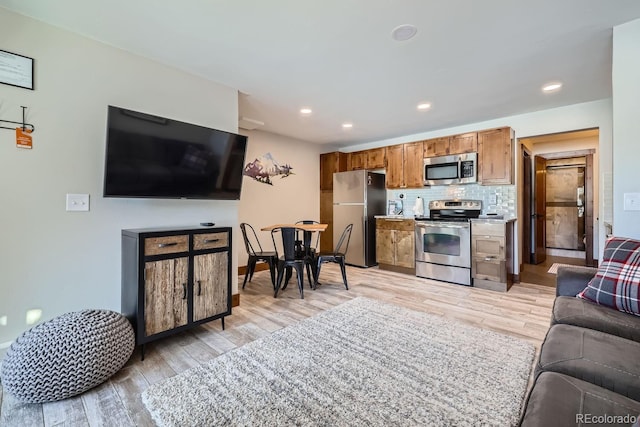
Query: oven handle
x=441 y=226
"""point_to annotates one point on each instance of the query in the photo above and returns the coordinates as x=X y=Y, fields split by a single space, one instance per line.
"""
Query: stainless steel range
x=443 y=240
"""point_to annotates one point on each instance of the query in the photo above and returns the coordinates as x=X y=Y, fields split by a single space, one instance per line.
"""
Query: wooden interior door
x=540 y=212
x=527 y=208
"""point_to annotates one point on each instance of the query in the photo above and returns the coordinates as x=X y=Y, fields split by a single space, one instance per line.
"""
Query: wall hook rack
x=22 y=124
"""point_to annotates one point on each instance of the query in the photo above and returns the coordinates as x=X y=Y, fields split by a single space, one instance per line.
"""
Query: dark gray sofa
x=588 y=372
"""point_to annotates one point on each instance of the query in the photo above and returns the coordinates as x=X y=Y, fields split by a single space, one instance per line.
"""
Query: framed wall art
x=16 y=70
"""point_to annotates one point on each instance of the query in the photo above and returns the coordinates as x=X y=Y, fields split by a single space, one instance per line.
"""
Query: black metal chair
x=288 y=261
x=338 y=256
x=306 y=250
x=251 y=243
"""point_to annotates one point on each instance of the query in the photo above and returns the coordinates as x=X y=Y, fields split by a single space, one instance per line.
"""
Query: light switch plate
x=77 y=202
x=632 y=201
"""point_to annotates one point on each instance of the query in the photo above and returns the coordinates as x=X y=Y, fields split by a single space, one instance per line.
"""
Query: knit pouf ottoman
x=67 y=355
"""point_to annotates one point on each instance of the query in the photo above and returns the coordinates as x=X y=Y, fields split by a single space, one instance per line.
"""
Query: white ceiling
x=473 y=60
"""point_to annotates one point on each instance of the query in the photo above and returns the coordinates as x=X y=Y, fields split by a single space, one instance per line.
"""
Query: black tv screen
x=151 y=156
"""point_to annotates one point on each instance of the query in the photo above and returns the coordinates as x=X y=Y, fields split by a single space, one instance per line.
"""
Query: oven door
x=444 y=243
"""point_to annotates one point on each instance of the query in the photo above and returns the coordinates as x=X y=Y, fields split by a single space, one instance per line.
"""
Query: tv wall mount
x=23 y=124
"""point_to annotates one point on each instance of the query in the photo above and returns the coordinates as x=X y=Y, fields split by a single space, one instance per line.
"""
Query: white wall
x=289 y=199
x=597 y=114
x=626 y=130
x=60 y=261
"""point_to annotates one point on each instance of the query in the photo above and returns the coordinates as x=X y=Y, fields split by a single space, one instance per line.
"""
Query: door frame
x=588 y=196
x=527 y=203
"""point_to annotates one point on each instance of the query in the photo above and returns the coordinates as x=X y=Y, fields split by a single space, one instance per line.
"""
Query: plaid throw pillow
x=617 y=282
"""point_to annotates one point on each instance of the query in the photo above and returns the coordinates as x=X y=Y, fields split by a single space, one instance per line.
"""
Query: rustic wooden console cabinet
x=174 y=279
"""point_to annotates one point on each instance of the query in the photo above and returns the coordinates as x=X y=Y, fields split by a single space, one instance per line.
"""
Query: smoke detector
x=404 y=32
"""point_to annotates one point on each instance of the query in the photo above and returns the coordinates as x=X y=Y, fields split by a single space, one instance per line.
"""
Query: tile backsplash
x=499 y=199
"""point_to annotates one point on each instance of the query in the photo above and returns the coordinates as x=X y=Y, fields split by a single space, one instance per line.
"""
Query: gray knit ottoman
x=67 y=355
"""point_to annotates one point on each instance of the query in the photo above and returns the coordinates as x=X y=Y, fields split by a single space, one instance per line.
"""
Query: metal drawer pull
x=199 y=288
x=184 y=291
x=490 y=258
x=211 y=240
x=166 y=245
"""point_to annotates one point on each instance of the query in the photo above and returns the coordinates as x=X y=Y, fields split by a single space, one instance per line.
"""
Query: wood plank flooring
x=523 y=312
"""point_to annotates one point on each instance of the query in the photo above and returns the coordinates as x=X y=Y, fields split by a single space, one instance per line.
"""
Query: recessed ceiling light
x=551 y=87
x=347 y=125
x=306 y=110
x=404 y=32
x=424 y=106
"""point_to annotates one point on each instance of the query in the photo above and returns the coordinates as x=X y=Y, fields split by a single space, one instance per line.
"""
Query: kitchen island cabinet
x=492 y=254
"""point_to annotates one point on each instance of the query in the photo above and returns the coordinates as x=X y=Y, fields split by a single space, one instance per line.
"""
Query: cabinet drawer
x=489 y=246
x=210 y=241
x=494 y=270
x=166 y=245
x=395 y=224
x=488 y=229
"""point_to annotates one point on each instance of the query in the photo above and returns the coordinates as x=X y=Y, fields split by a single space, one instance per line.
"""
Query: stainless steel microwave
x=453 y=169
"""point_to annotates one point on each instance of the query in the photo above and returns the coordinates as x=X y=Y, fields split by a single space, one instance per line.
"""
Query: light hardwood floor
x=523 y=312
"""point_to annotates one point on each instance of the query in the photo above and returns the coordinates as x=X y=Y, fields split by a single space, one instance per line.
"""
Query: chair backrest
x=288 y=241
x=344 y=241
x=307 y=242
x=251 y=241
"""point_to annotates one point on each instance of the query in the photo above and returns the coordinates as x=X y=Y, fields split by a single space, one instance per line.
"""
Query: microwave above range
x=453 y=169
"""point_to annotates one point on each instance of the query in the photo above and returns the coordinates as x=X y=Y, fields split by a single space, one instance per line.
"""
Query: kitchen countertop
x=393 y=217
x=493 y=219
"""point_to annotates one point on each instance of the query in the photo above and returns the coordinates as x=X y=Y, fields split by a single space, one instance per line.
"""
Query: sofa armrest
x=571 y=281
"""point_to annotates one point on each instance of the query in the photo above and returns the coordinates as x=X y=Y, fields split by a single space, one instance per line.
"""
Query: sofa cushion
x=578 y=312
x=558 y=400
x=617 y=282
x=605 y=360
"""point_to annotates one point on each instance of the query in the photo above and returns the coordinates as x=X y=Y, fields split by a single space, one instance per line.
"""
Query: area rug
x=364 y=362
x=554 y=267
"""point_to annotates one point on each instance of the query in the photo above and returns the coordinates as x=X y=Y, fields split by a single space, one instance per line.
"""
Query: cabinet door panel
x=357 y=160
x=465 y=143
x=405 y=249
x=376 y=158
x=395 y=167
x=165 y=295
x=492 y=270
x=495 y=159
x=436 y=147
x=413 y=165
x=385 y=246
x=210 y=295
x=490 y=246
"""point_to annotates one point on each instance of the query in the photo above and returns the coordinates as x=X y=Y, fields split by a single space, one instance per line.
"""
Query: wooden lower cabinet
x=395 y=244
x=174 y=279
x=492 y=254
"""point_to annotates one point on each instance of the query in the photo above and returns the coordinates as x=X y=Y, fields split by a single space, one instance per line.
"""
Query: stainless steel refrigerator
x=357 y=197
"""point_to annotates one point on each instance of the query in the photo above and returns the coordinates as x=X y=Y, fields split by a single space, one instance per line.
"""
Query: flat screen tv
x=151 y=156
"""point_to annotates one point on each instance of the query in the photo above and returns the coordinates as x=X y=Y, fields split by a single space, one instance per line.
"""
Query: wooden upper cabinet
x=376 y=158
x=357 y=160
x=464 y=143
x=413 y=165
x=495 y=156
x=404 y=165
x=437 y=146
x=329 y=164
x=395 y=168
